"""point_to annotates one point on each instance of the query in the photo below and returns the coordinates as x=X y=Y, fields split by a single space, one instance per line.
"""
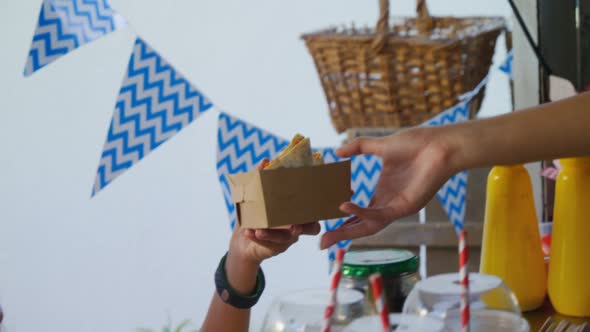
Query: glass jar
x=493 y=305
x=399 y=323
x=303 y=311
x=399 y=269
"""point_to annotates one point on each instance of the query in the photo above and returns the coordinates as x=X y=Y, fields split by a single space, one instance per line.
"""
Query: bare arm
x=248 y=248
x=223 y=317
x=418 y=161
x=544 y=132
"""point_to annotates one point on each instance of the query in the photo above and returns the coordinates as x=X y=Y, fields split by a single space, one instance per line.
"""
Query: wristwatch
x=231 y=296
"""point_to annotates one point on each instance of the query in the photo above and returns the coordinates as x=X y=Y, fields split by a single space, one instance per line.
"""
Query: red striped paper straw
x=334 y=281
x=380 y=303
x=464 y=279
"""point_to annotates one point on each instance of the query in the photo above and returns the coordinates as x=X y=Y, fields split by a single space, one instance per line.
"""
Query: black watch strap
x=231 y=296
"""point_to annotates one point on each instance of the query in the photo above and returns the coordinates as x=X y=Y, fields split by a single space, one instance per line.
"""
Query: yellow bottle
x=569 y=266
x=511 y=246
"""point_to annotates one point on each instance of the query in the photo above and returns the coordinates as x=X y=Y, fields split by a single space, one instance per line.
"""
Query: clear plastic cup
x=493 y=305
x=303 y=311
x=490 y=321
x=399 y=323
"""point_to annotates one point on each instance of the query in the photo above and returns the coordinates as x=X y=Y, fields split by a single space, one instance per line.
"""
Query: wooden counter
x=537 y=317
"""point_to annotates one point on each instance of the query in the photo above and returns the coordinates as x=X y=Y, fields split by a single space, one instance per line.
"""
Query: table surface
x=537 y=317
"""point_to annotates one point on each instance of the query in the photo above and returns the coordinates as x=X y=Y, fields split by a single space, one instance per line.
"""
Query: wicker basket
x=402 y=75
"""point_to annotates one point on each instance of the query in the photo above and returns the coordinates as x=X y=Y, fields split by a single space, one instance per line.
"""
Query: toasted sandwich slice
x=296 y=154
x=317 y=158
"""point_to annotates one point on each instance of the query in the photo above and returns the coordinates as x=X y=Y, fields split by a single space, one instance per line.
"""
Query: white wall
x=149 y=243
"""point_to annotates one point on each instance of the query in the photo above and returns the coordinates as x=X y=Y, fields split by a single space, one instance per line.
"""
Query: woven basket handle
x=424 y=22
x=382 y=29
x=422 y=10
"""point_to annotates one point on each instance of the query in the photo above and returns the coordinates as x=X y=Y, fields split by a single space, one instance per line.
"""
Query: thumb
x=360 y=146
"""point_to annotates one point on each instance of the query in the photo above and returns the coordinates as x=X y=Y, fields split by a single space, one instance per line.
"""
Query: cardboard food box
x=288 y=196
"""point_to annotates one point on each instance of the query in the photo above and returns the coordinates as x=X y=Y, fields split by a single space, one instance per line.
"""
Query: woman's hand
x=415 y=165
x=255 y=245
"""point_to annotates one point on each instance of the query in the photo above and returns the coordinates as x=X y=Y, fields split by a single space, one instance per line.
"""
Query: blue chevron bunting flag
x=241 y=146
x=506 y=66
x=65 y=25
x=452 y=196
x=453 y=193
x=365 y=171
x=155 y=102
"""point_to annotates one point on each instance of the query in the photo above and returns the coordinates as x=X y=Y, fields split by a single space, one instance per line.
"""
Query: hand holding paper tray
x=294 y=188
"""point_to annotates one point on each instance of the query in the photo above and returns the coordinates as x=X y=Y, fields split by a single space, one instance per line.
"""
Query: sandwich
x=318 y=159
x=297 y=154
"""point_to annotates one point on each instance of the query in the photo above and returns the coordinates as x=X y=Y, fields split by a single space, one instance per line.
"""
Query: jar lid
x=448 y=284
x=388 y=262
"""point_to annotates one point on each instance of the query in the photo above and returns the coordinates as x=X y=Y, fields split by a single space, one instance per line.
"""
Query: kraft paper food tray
x=288 y=196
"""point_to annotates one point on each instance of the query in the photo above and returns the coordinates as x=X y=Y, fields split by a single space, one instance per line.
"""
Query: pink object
x=377 y=286
x=464 y=280
x=551 y=172
x=334 y=281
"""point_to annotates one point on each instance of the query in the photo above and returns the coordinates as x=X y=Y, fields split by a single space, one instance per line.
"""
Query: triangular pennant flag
x=65 y=25
x=365 y=171
x=452 y=196
x=155 y=102
x=453 y=193
x=240 y=147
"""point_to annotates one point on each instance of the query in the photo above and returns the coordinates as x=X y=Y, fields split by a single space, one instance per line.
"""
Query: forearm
x=544 y=132
x=223 y=317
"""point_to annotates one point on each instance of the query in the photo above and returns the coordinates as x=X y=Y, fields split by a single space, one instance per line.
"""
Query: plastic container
x=494 y=321
x=511 y=247
x=493 y=305
x=399 y=269
x=303 y=311
x=569 y=267
x=399 y=323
